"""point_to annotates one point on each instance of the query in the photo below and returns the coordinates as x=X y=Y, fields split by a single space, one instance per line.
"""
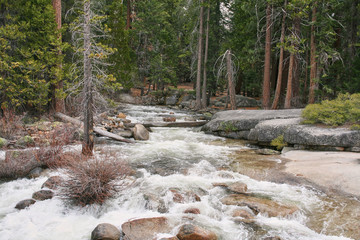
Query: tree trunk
x=128 y=15
x=204 y=98
x=88 y=144
x=296 y=98
x=313 y=60
x=292 y=66
x=58 y=101
x=266 y=83
x=198 y=76
x=231 y=85
x=281 y=62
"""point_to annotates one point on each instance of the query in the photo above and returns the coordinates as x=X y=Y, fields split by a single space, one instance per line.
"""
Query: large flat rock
x=243 y=120
x=335 y=170
x=315 y=136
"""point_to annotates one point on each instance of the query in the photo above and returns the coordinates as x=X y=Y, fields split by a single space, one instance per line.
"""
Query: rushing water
x=188 y=161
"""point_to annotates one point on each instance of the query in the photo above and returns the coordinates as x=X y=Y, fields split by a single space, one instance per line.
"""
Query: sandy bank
x=338 y=171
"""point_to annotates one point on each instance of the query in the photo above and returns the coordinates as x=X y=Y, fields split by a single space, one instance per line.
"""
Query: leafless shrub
x=94 y=181
x=51 y=154
x=11 y=125
x=17 y=164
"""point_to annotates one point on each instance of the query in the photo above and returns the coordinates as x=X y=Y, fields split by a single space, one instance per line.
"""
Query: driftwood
x=169 y=124
x=96 y=129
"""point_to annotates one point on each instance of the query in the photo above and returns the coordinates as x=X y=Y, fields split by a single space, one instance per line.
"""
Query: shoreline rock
x=262 y=126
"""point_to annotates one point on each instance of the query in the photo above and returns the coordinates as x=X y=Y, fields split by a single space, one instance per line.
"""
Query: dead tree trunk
x=128 y=15
x=231 y=85
x=313 y=60
x=281 y=62
x=88 y=144
x=198 y=76
x=266 y=82
x=204 y=88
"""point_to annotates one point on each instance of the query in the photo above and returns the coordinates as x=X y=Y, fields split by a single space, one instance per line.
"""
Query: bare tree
x=199 y=55
x=91 y=53
x=267 y=66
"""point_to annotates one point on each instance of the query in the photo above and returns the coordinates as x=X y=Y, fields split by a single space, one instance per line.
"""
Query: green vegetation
x=279 y=142
x=228 y=127
x=342 y=110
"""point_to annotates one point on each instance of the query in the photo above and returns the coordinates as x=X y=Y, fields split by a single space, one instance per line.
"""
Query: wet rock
x=177 y=196
x=145 y=228
x=169 y=119
x=43 y=195
x=154 y=202
x=192 y=210
x=24 y=204
x=35 y=173
x=105 y=231
x=121 y=115
x=259 y=205
x=272 y=238
x=192 y=232
x=169 y=238
x=140 y=132
x=266 y=151
x=243 y=215
x=238 y=187
x=53 y=182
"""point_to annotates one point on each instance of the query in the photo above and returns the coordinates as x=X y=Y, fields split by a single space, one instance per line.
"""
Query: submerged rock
x=24 y=204
x=105 y=231
x=192 y=211
x=43 y=195
x=53 y=182
x=192 y=232
x=242 y=215
x=145 y=228
x=259 y=205
x=236 y=187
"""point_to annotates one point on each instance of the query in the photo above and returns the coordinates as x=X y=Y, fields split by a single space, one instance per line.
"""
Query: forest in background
x=288 y=53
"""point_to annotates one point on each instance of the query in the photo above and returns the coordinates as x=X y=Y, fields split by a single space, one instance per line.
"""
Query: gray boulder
x=268 y=130
x=43 y=195
x=171 y=100
x=24 y=204
x=315 y=136
x=145 y=228
x=140 y=132
x=105 y=231
x=245 y=120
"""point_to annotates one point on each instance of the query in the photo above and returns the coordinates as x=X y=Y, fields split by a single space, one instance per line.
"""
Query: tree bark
x=292 y=66
x=204 y=88
x=88 y=144
x=231 y=85
x=296 y=98
x=198 y=76
x=313 y=60
x=266 y=83
x=281 y=62
x=58 y=101
x=128 y=15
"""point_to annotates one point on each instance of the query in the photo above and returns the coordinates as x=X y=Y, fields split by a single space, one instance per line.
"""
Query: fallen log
x=96 y=129
x=169 y=124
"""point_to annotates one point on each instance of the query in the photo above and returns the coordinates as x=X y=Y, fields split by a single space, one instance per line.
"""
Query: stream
x=187 y=161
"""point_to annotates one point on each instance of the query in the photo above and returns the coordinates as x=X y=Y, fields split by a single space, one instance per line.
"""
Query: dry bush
x=11 y=125
x=18 y=164
x=51 y=154
x=94 y=181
